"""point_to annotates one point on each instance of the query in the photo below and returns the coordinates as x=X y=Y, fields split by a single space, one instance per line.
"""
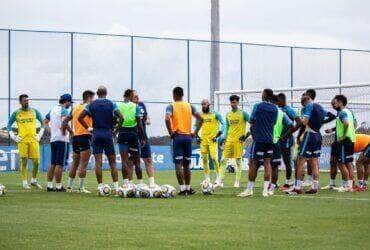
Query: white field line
x=323 y=197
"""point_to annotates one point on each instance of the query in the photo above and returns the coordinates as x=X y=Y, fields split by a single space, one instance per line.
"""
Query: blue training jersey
x=263 y=119
x=291 y=113
x=143 y=115
x=101 y=112
x=315 y=114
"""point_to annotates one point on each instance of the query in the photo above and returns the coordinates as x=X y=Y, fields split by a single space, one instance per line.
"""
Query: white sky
x=327 y=23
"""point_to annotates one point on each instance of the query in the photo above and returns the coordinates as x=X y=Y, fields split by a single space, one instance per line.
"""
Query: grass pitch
x=37 y=219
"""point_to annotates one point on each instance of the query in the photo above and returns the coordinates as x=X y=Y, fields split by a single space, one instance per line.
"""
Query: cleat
x=219 y=183
x=311 y=191
x=265 y=193
x=183 y=193
x=329 y=187
x=270 y=192
x=307 y=184
x=49 y=189
x=237 y=184
x=246 y=193
x=62 y=189
x=70 y=190
x=36 y=185
x=285 y=187
x=84 y=191
x=191 y=191
x=344 y=189
x=294 y=192
x=26 y=187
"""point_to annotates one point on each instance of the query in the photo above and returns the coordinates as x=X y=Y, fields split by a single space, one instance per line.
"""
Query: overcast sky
x=327 y=23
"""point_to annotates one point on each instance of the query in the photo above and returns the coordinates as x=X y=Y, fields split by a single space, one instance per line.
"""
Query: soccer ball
x=104 y=190
x=126 y=191
x=142 y=191
x=155 y=192
x=207 y=187
x=2 y=189
x=168 y=191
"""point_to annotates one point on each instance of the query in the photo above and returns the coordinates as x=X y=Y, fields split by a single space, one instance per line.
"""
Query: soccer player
x=310 y=147
x=81 y=143
x=27 y=138
x=212 y=128
x=362 y=146
x=178 y=123
x=103 y=113
x=345 y=136
x=145 y=152
x=287 y=144
x=130 y=137
x=233 y=138
x=58 y=142
x=266 y=126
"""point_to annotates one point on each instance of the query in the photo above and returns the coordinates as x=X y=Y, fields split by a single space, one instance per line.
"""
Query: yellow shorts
x=210 y=149
x=233 y=149
x=29 y=150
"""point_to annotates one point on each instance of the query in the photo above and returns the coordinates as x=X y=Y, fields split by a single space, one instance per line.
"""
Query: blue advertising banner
x=162 y=159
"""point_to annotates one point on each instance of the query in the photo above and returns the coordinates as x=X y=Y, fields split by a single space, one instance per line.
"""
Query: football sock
x=24 y=182
x=100 y=185
x=350 y=183
x=332 y=182
x=33 y=180
x=298 y=184
x=222 y=168
x=59 y=185
x=309 y=178
x=115 y=185
x=187 y=187
x=205 y=162
x=81 y=183
x=250 y=185
x=182 y=187
x=288 y=181
x=151 y=181
x=266 y=185
x=238 y=169
x=315 y=184
x=24 y=169
x=216 y=164
x=272 y=187
x=140 y=181
x=70 y=182
x=35 y=168
x=126 y=181
x=50 y=184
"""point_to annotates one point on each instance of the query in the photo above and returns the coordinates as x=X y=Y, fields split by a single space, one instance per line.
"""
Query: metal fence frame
x=243 y=45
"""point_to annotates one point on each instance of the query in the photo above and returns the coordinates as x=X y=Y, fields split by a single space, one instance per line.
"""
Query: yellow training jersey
x=27 y=123
x=236 y=124
x=211 y=126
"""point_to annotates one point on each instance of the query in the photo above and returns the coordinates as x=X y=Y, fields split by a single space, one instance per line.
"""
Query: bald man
x=103 y=113
x=211 y=130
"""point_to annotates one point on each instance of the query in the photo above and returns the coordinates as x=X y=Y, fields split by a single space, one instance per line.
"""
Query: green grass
x=62 y=220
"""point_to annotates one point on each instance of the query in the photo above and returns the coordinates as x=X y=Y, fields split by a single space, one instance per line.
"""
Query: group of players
x=96 y=122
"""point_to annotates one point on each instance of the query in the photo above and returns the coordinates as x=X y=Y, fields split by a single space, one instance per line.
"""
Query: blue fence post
x=9 y=77
x=188 y=66
x=291 y=77
x=132 y=62
x=72 y=65
x=340 y=71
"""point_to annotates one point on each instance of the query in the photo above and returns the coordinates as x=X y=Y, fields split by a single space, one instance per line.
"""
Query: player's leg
x=227 y=153
x=111 y=155
x=268 y=150
x=134 y=145
x=252 y=173
x=23 y=150
x=345 y=164
x=61 y=153
x=34 y=154
x=98 y=169
x=213 y=153
x=186 y=164
x=146 y=155
x=238 y=154
x=178 y=155
x=367 y=172
x=286 y=148
x=360 y=169
x=275 y=163
x=84 y=161
x=51 y=170
x=204 y=151
x=73 y=170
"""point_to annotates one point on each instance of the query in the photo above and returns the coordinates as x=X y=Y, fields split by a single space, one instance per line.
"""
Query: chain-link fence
x=46 y=64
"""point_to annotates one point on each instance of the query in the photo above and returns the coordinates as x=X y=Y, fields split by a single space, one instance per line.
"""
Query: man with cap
x=58 y=141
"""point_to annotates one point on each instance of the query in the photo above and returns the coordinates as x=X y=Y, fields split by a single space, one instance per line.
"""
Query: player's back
x=78 y=128
x=182 y=117
x=361 y=142
x=317 y=116
x=55 y=117
x=264 y=117
x=101 y=112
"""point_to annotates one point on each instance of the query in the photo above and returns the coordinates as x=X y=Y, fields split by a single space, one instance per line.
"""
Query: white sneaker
x=84 y=191
x=246 y=193
x=344 y=189
x=265 y=193
x=36 y=185
x=270 y=192
x=26 y=186
x=219 y=183
x=307 y=183
x=236 y=184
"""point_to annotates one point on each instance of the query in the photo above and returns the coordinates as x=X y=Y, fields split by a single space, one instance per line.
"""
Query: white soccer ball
x=168 y=191
x=2 y=189
x=207 y=187
x=142 y=191
x=104 y=190
x=126 y=191
x=155 y=192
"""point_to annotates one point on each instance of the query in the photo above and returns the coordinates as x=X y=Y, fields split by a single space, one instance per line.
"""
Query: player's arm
x=64 y=114
x=289 y=124
x=252 y=118
x=330 y=130
x=221 y=123
x=306 y=114
x=246 y=118
x=343 y=117
x=328 y=117
x=11 y=121
x=81 y=117
x=118 y=115
x=198 y=118
x=226 y=130
x=42 y=130
x=167 y=120
x=140 y=127
x=65 y=123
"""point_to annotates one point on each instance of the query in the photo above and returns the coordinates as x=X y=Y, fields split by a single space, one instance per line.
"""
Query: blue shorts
x=367 y=151
x=103 y=143
x=146 y=151
x=345 y=151
x=310 y=146
x=276 y=155
x=287 y=144
x=181 y=148
x=59 y=153
x=261 y=150
x=128 y=141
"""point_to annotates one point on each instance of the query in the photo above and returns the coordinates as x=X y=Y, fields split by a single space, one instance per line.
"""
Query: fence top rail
x=181 y=39
x=253 y=91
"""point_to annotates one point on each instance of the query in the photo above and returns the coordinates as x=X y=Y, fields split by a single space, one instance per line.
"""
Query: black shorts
x=59 y=153
x=345 y=151
x=81 y=143
x=276 y=155
x=261 y=150
x=334 y=150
